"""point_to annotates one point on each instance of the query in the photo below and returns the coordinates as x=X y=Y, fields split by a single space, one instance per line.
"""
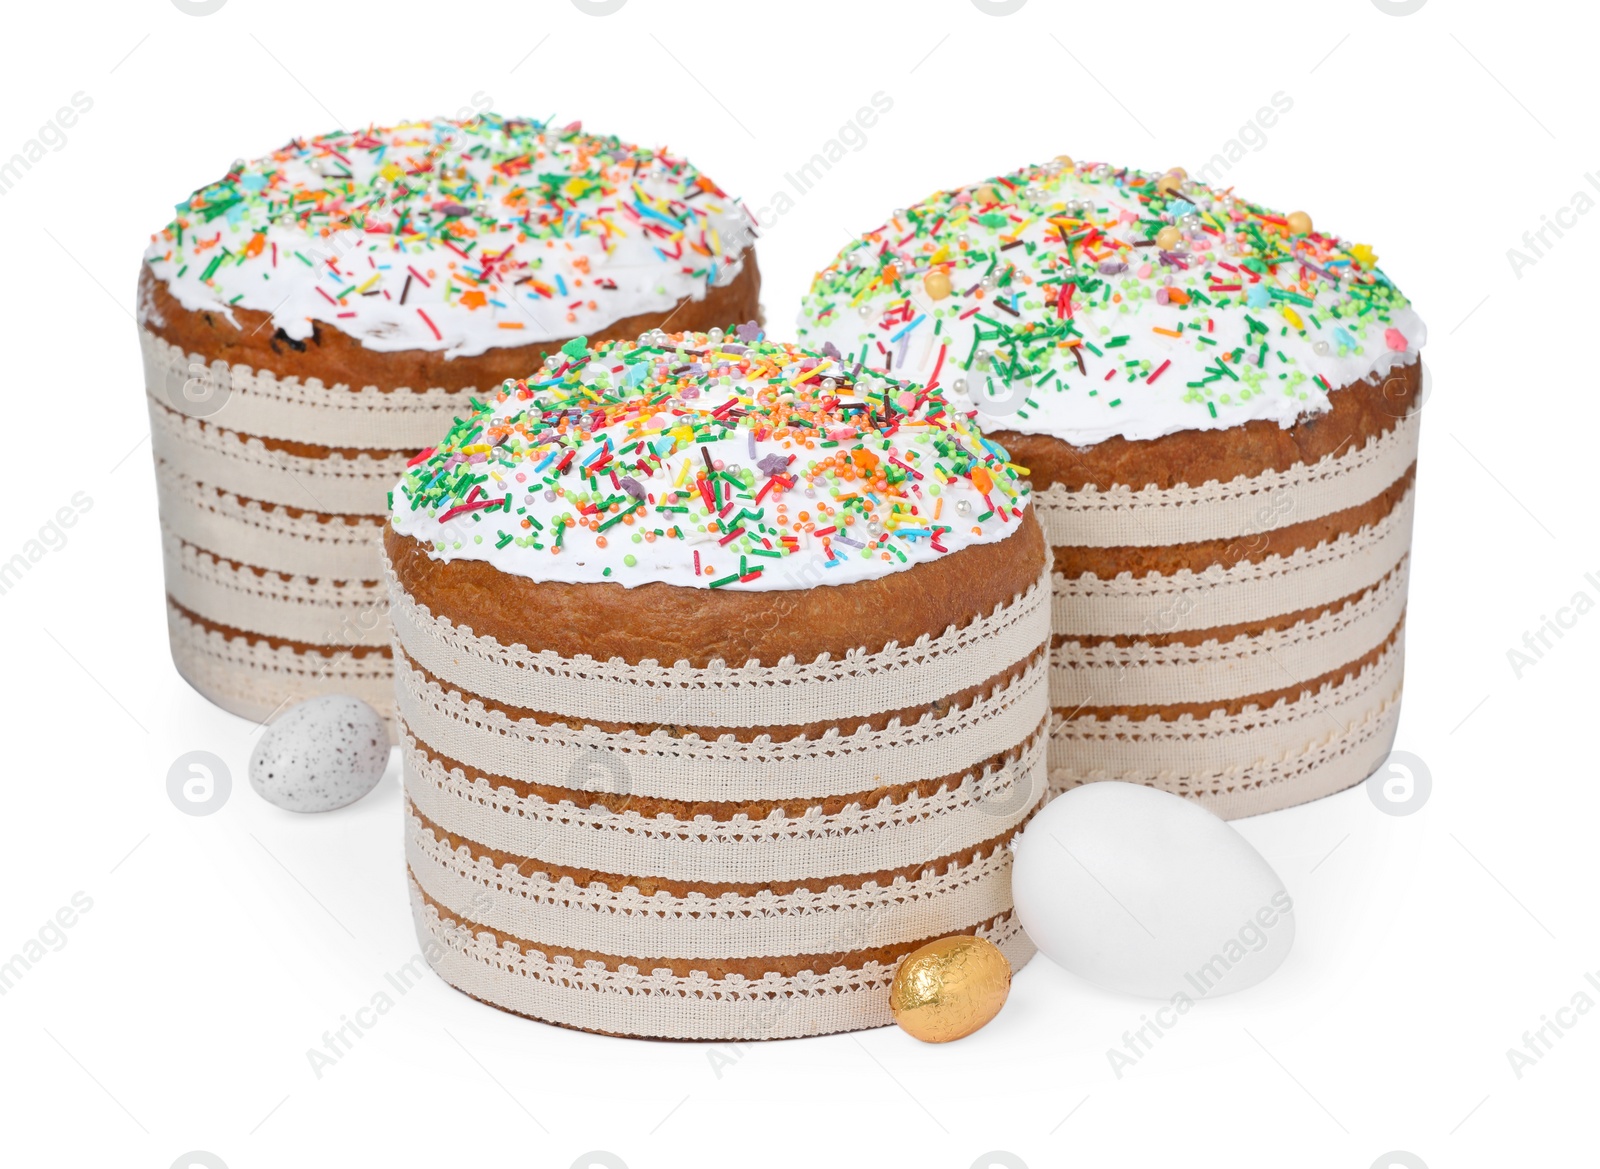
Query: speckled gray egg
x=321 y=754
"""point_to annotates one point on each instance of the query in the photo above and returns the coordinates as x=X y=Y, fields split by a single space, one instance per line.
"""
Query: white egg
x=1149 y=894
x=321 y=754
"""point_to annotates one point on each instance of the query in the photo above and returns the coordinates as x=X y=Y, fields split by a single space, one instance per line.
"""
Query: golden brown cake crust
x=231 y=632
x=1357 y=413
x=672 y=623
x=1229 y=706
x=778 y=734
x=585 y=878
x=1106 y=563
x=787 y=965
x=335 y=357
x=755 y=810
x=288 y=446
x=1223 y=633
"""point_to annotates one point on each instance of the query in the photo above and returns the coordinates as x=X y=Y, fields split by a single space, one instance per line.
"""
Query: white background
x=178 y=1013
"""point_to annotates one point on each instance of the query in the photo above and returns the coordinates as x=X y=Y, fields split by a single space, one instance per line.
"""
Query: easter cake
x=316 y=316
x=722 y=677
x=1219 y=407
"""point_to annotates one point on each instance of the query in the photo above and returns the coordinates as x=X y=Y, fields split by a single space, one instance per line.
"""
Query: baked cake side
x=722 y=675
x=315 y=317
x=1219 y=405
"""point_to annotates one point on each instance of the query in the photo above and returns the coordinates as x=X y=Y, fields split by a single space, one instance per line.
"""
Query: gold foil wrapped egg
x=949 y=988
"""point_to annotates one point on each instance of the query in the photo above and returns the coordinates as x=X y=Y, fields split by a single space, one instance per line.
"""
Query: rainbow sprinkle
x=1062 y=277
x=456 y=234
x=625 y=455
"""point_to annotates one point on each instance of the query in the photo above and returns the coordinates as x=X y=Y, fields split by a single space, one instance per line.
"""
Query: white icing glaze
x=382 y=233
x=662 y=403
x=873 y=302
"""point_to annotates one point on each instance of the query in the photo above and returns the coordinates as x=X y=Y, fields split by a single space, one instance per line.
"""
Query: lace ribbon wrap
x=616 y=880
x=1252 y=687
x=272 y=557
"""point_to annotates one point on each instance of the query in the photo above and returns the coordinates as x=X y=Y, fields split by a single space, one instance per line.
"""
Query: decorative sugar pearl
x=1299 y=222
x=1168 y=184
x=321 y=754
x=949 y=988
x=1168 y=238
x=936 y=285
x=1065 y=160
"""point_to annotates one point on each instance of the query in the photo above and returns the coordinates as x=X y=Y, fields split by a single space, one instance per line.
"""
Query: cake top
x=1086 y=302
x=461 y=236
x=711 y=460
